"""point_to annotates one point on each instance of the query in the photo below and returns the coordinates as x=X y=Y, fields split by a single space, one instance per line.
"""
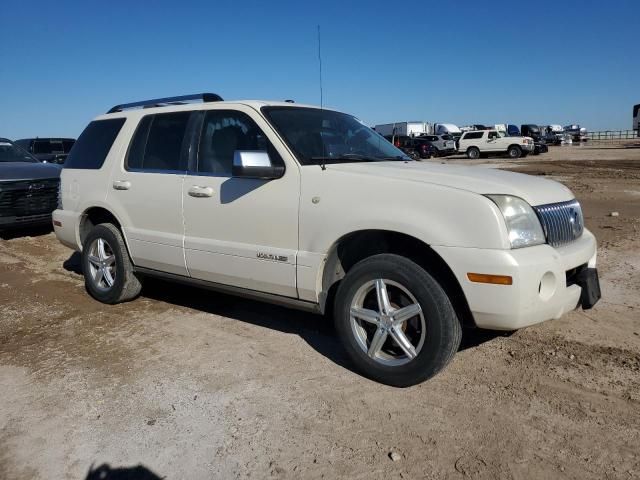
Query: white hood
x=535 y=190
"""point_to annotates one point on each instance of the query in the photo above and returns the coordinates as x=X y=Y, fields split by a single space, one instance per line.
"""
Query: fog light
x=547 y=286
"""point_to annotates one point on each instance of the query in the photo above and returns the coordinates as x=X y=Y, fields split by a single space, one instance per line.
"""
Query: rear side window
x=92 y=148
x=157 y=143
x=472 y=135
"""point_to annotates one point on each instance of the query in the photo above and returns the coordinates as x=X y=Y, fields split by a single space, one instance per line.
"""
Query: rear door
x=240 y=231
x=147 y=191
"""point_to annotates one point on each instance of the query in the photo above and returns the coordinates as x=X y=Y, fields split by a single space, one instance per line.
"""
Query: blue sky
x=462 y=62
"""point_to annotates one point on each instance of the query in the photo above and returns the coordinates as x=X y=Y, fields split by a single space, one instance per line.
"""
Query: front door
x=239 y=231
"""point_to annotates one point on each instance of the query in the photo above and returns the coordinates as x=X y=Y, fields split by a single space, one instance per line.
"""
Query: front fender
x=335 y=204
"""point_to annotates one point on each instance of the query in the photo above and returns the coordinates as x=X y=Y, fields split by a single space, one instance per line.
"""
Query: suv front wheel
x=514 y=151
x=107 y=268
x=395 y=321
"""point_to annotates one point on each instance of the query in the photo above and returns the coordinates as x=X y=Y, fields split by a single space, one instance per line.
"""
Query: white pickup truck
x=310 y=208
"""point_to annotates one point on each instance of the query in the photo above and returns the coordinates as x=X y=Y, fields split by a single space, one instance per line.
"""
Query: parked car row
x=425 y=140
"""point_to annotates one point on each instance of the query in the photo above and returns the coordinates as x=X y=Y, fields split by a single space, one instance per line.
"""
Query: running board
x=231 y=290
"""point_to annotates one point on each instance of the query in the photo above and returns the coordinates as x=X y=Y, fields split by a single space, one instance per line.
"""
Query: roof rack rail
x=159 y=102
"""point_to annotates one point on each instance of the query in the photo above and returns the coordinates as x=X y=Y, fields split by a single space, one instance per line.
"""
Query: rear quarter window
x=93 y=145
x=472 y=135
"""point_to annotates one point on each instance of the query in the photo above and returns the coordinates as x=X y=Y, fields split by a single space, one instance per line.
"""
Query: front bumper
x=541 y=289
x=527 y=147
x=540 y=148
x=25 y=221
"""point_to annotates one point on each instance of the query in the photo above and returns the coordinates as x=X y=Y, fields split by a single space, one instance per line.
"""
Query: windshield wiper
x=356 y=157
x=349 y=157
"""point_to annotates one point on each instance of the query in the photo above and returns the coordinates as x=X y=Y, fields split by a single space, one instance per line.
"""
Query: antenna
x=324 y=152
x=320 y=63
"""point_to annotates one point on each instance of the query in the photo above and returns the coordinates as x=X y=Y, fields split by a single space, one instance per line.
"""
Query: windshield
x=12 y=153
x=51 y=147
x=323 y=136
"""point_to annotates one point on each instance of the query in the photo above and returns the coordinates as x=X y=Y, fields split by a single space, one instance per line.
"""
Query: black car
x=28 y=187
x=423 y=148
x=533 y=131
x=540 y=147
x=50 y=150
x=406 y=144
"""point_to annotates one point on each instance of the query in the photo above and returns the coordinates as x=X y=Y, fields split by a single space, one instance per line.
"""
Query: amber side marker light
x=57 y=223
x=494 y=279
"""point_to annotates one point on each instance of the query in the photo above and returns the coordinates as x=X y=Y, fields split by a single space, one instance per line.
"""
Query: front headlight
x=522 y=222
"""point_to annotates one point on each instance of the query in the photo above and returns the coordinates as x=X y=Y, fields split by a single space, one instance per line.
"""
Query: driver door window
x=224 y=132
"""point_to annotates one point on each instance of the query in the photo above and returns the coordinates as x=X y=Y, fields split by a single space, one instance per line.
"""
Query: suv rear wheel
x=108 y=271
x=473 y=153
x=395 y=321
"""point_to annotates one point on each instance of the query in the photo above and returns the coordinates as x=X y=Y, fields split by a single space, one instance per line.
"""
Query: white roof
x=256 y=104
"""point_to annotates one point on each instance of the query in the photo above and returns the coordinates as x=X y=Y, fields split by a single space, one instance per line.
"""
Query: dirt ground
x=185 y=383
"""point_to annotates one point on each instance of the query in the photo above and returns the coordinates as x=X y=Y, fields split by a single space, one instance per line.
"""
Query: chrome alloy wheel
x=388 y=322
x=102 y=264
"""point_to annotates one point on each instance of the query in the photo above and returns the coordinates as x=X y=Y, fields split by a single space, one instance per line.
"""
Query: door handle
x=200 y=192
x=121 y=185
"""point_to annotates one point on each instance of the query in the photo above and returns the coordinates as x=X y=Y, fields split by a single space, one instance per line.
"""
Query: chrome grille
x=562 y=223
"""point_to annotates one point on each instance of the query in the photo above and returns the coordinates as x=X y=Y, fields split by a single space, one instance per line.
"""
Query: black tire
x=473 y=153
x=443 y=331
x=125 y=285
x=514 y=151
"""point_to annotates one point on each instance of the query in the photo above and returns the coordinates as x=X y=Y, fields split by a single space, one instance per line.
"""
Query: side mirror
x=255 y=164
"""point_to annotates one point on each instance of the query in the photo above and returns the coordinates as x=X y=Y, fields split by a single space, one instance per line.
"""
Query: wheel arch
x=95 y=215
x=358 y=245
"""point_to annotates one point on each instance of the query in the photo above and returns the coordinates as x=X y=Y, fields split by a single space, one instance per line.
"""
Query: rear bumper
x=540 y=290
x=66 y=227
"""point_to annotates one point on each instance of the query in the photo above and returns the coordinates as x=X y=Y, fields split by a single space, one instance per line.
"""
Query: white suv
x=310 y=208
x=479 y=143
